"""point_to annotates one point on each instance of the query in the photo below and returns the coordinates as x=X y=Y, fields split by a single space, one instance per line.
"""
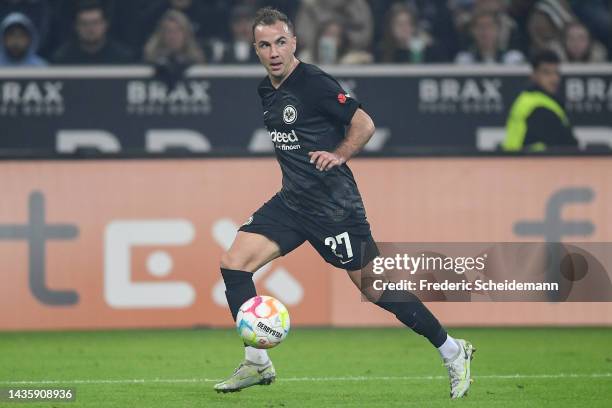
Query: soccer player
x=316 y=127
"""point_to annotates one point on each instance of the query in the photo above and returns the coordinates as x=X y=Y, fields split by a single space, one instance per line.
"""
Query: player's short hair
x=544 y=57
x=269 y=16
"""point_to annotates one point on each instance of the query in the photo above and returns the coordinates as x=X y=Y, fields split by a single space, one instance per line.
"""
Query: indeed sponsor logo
x=280 y=140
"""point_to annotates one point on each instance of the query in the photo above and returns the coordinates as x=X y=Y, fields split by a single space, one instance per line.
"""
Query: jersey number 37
x=340 y=239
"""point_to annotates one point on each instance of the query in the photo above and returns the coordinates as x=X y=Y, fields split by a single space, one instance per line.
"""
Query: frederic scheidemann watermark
x=458 y=265
x=493 y=271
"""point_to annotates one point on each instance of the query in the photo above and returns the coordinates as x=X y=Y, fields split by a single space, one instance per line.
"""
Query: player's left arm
x=359 y=131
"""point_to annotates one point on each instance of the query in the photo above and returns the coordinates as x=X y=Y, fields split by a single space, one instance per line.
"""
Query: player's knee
x=371 y=294
x=365 y=284
x=232 y=261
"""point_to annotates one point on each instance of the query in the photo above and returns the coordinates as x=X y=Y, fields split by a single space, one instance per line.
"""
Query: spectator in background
x=509 y=36
x=485 y=48
x=240 y=49
x=537 y=118
x=402 y=42
x=198 y=13
x=38 y=12
x=597 y=16
x=173 y=48
x=355 y=17
x=379 y=10
x=119 y=15
x=92 y=45
x=546 y=24
x=435 y=18
x=461 y=11
x=431 y=19
x=19 y=42
x=332 y=46
x=580 y=47
x=519 y=11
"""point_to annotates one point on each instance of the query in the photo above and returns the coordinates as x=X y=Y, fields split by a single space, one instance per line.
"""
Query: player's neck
x=276 y=83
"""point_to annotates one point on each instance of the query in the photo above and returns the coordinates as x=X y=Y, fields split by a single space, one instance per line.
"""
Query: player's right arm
x=333 y=102
x=359 y=131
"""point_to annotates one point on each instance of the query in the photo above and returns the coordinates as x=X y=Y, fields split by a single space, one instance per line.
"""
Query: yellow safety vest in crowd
x=523 y=107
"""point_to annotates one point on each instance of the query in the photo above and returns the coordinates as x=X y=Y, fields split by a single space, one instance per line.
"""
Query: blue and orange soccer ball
x=263 y=322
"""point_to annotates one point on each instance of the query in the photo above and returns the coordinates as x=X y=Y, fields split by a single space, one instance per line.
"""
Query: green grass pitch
x=522 y=367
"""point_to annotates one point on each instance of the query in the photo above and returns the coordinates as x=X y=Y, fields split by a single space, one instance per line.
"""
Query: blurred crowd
x=174 y=34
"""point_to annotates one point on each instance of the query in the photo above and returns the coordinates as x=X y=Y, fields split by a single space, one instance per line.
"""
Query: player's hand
x=325 y=161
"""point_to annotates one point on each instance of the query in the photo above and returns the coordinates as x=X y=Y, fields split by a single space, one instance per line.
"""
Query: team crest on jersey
x=289 y=114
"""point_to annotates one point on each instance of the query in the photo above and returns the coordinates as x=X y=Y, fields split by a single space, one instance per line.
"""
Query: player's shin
x=239 y=287
x=409 y=310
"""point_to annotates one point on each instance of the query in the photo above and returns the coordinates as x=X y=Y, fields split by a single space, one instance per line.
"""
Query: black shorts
x=347 y=244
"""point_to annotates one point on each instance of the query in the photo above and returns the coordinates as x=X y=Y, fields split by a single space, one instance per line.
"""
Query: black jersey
x=307 y=113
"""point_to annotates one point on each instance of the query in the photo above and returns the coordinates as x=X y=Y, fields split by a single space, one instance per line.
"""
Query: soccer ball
x=262 y=322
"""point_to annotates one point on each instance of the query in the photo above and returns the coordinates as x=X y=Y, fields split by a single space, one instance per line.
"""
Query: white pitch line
x=308 y=379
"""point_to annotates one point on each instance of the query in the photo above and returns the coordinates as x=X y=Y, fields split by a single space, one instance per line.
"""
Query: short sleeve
x=332 y=101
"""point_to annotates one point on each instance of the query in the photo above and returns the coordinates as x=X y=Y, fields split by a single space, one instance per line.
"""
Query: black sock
x=239 y=288
x=412 y=312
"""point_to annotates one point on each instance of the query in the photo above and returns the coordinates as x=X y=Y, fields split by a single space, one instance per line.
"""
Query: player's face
x=547 y=76
x=275 y=46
